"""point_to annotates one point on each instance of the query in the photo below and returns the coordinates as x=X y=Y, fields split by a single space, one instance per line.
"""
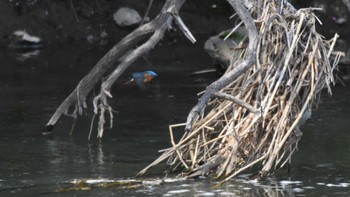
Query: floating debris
x=153 y=182
x=337 y=185
x=308 y=187
x=203 y=71
x=180 y=191
x=92 y=181
x=173 y=180
x=227 y=194
x=206 y=194
x=325 y=165
x=285 y=182
x=126 y=17
x=298 y=190
x=344 y=184
x=22 y=40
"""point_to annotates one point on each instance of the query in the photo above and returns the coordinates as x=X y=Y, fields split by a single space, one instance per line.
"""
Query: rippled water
x=32 y=164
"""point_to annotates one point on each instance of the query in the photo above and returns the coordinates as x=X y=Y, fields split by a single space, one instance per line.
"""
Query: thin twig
x=237 y=101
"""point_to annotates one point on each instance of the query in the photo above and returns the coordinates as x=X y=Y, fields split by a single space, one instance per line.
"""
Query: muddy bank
x=92 y=21
x=61 y=20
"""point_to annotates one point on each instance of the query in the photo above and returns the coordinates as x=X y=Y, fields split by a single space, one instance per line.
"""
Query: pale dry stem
x=255 y=119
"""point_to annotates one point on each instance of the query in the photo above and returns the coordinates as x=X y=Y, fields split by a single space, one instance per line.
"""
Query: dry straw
x=254 y=121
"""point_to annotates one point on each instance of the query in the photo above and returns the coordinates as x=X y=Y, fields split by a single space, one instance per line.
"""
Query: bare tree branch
x=238 y=101
x=220 y=83
x=236 y=72
x=94 y=76
x=78 y=97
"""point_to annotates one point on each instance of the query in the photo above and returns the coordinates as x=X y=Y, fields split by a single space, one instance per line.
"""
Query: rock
x=340 y=20
x=24 y=36
x=22 y=40
x=90 y=38
x=126 y=17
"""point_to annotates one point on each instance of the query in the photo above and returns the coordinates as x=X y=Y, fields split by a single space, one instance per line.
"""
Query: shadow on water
x=32 y=164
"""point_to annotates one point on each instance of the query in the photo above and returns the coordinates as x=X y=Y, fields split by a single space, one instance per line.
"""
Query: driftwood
x=154 y=31
x=252 y=114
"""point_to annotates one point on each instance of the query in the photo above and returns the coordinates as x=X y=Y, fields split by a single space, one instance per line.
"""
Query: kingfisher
x=141 y=78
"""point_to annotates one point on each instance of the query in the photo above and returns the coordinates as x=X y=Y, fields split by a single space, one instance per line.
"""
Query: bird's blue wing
x=138 y=77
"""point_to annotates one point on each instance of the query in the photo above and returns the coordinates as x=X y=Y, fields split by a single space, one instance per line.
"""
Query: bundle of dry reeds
x=255 y=120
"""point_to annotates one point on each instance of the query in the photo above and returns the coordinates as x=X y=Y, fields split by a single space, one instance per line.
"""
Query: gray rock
x=24 y=36
x=126 y=17
x=23 y=40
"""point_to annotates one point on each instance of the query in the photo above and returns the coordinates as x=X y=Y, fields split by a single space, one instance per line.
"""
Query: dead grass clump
x=255 y=119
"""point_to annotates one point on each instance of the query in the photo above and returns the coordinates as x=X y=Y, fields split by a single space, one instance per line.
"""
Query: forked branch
x=230 y=76
x=155 y=29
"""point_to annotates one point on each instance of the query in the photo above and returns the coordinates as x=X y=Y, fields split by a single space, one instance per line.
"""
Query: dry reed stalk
x=255 y=120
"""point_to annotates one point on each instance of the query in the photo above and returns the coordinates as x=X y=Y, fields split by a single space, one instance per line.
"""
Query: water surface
x=32 y=164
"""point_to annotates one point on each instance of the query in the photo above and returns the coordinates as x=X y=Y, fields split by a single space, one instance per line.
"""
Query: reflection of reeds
x=256 y=118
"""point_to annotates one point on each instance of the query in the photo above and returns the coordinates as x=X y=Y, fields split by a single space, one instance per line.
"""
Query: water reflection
x=96 y=154
x=76 y=159
x=179 y=187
